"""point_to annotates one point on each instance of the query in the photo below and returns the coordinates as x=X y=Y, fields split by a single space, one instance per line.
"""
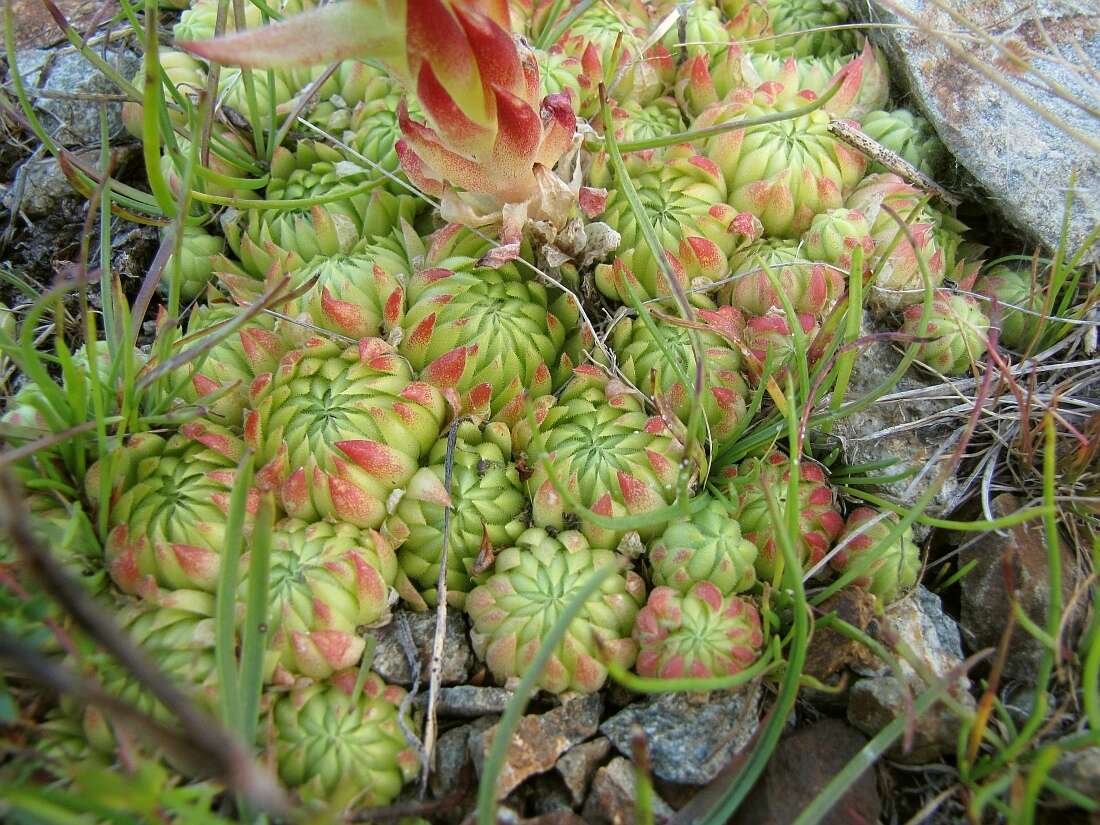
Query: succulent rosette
x=771 y=341
x=61 y=526
x=899 y=282
x=488 y=503
x=643 y=362
x=336 y=745
x=167 y=511
x=186 y=74
x=357 y=295
x=597 y=442
x=700 y=23
x=786 y=81
x=819 y=521
x=327 y=581
x=796 y=18
x=811 y=287
x=706 y=546
x=1019 y=300
x=561 y=72
x=532 y=582
x=907 y=134
x=834 y=235
x=657 y=119
x=230 y=155
x=486 y=335
x=746 y=19
x=956 y=335
x=784 y=172
x=294 y=237
x=337 y=430
x=176 y=630
x=219 y=379
x=683 y=195
x=696 y=634
x=606 y=38
x=354 y=85
x=198 y=248
x=373 y=131
x=886 y=570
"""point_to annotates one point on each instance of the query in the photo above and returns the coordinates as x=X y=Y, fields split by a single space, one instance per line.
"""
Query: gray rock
x=453 y=765
x=539 y=740
x=392 y=663
x=986 y=602
x=39 y=187
x=72 y=117
x=919 y=623
x=468 y=701
x=1021 y=159
x=1079 y=770
x=611 y=801
x=691 y=737
x=577 y=765
x=912 y=424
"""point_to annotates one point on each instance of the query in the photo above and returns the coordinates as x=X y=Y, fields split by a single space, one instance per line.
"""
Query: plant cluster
x=389 y=384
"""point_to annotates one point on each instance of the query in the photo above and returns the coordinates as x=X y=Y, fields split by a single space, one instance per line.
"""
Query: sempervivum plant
x=337 y=430
x=606 y=38
x=167 y=510
x=339 y=742
x=195 y=263
x=811 y=287
x=956 y=335
x=373 y=131
x=327 y=581
x=784 y=172
x=313 y=170
x=683 y=195
x=834 y=235
x=788 y=81
x=798 y=20
x=488 y=503
x=1020 y=303
x=357 y=295
x=176 y=631
x=486 y=335
x=819 y=521
x=696 y=634
x=220 y=378
x=899 y=282
x=353 y=85
x=771 y=341
x=907 y=134
x=669 y=373
x=706 y=546
x=656 y=119
x=887 y=570
x=598 y=444
x=531 y=584
x=62 y=527
x=702 y=29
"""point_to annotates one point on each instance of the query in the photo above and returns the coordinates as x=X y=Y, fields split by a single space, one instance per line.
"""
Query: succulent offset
x=595 y=445
x=326 y=582
x=167 y=509
x=683 y=194
x=783 y=172
x=886 y=568
x=337 y=746
x=696 y=634
x=819 y=521
x=907 y=134
x=337 y=430
x=706 y=546
x=531 y=585
x=668 y=372
x=955 y=335
x=1020 y=303
x=488 y=501
x=771 y=270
